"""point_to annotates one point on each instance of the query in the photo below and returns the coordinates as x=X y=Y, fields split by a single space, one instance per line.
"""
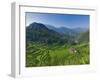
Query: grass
x=52 y=55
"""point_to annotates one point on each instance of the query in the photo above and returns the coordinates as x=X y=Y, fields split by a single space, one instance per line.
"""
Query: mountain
x=67 y=31
x=84 y=37
x=63 y=30
x=79 y=30
x=38 y=32
x=51 y=27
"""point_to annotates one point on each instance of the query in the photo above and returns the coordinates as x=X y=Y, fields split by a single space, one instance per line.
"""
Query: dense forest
x=47 y=45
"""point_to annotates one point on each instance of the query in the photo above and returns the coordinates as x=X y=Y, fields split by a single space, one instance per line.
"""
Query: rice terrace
x=56 y=39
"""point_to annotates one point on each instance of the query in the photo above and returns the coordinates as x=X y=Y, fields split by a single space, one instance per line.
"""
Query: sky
x=58 y=20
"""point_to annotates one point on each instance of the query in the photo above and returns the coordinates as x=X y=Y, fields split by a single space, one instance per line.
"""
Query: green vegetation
x=51 y=55
x=45 y=47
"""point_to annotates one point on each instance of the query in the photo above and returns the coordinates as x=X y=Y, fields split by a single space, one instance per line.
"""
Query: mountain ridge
x=39 y=32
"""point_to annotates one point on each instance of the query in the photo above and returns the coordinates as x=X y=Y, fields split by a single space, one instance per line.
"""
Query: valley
x=53 y=47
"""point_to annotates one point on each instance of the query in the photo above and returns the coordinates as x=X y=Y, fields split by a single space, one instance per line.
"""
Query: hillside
x=84 y=37
x=38 y=32
x=47 y=47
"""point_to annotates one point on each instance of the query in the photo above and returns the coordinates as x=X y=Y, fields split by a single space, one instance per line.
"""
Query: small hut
x=73 y=50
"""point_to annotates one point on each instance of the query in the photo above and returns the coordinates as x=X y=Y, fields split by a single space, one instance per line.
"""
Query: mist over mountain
x=80 y=30
x=67 y=31
x=62 y=30
x=39 y=32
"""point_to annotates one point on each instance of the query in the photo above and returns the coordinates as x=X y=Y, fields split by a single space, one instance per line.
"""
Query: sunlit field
x=56 y=39
x=52 y=55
